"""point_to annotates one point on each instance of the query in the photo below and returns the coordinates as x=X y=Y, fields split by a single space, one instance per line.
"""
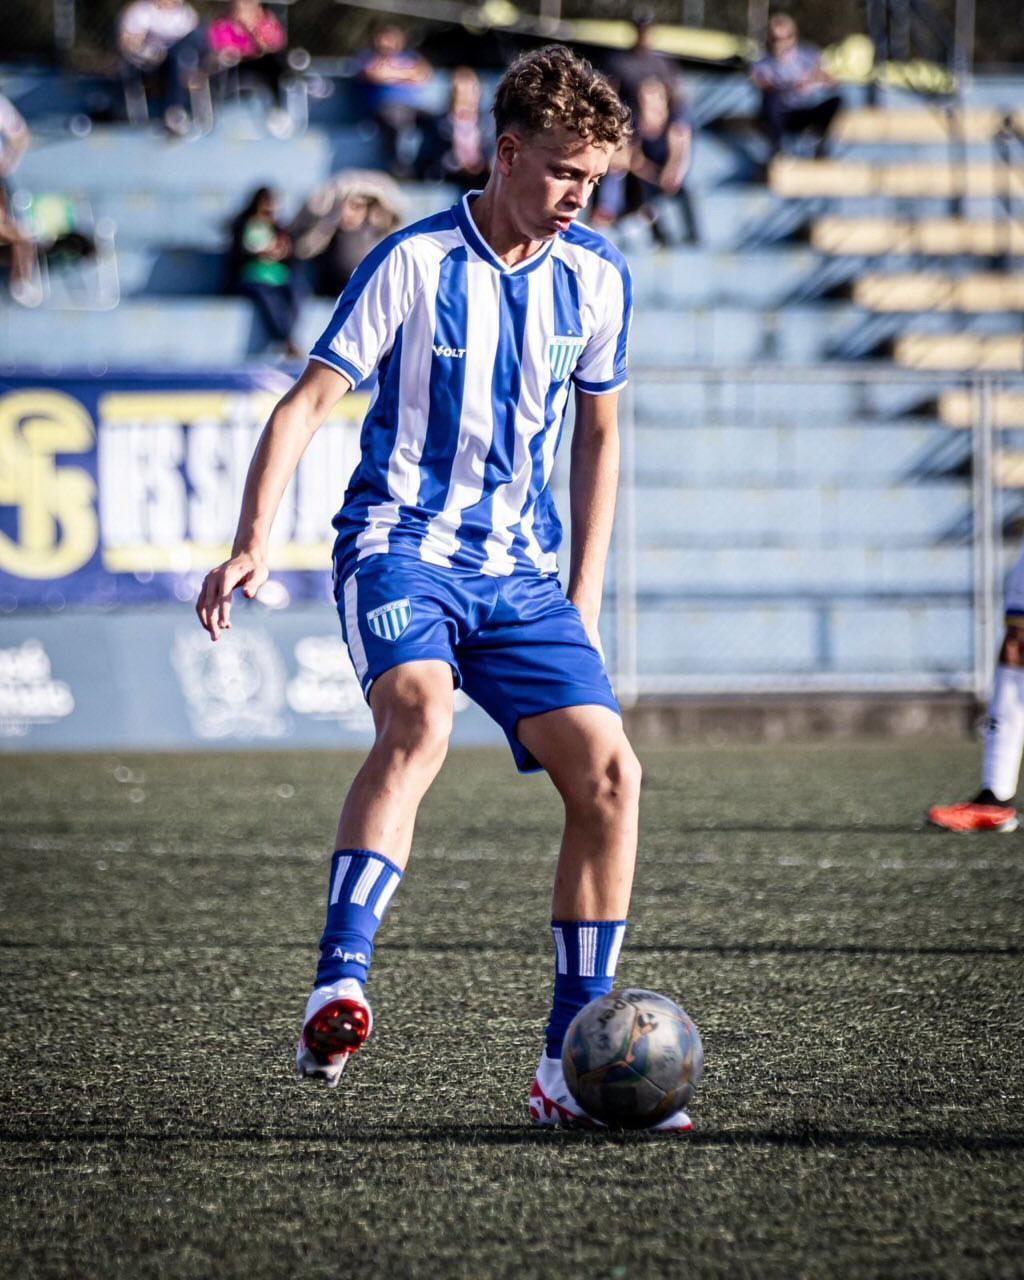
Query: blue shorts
x=515 y=645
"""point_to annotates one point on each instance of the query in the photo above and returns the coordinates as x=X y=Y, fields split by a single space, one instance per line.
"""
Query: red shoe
x=338 y=1021
x=979 y=814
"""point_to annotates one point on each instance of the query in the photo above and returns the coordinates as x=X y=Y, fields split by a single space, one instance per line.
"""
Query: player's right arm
x=295 y=420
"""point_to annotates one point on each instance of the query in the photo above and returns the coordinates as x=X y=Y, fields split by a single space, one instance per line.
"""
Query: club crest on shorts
x=390 y=620
x=562 y=355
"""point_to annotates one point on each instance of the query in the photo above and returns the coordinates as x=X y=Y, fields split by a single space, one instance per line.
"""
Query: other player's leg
x=993 y=808
x=412 y=708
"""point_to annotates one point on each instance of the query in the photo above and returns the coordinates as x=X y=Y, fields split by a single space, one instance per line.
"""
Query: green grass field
x=857 y=981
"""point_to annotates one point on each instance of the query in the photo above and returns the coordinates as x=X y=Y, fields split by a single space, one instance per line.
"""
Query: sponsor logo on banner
x=390 y=620
x=562 y=356
x=29 y=695
x=234 y=689
x=55 y=530
x=325 y=685
x=126 y=488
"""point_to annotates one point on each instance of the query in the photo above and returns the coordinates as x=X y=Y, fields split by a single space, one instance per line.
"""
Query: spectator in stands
x=261 y=253
x=342 y=221
x=456 y=145
x=628 y=71
x=390 y=79
x=18 y=244
x=163 y=46
x=250 y=37
x=797 y=93
x=660 y=158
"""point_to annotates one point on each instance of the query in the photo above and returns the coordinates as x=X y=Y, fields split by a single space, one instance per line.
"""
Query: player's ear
x=506 y=150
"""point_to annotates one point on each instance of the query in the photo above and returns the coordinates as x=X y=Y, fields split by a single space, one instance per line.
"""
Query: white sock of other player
x=1004 y=734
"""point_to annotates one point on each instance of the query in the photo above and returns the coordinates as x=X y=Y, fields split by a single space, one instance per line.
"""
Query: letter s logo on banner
x=57 y=529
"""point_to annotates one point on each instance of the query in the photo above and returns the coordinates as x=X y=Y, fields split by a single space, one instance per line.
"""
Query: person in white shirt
x=162 y=43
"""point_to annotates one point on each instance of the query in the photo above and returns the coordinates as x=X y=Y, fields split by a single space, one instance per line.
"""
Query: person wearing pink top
x=251 y=37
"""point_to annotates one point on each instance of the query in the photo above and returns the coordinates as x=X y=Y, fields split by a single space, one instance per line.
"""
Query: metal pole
x=757 y=20
x=984 y=540
x=550 y=13
x=626 y=654
x=963 y=38
x=64 y=26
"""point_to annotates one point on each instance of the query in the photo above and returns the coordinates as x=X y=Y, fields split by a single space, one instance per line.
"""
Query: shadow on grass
x=504 y=1135
x=474 y=947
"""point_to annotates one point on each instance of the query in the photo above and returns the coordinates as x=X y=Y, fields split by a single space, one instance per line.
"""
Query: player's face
x=549 y=179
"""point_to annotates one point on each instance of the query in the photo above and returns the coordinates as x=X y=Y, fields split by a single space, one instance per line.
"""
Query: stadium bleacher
x=831 y=512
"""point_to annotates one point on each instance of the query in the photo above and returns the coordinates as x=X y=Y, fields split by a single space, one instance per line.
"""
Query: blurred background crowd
x=823 y=210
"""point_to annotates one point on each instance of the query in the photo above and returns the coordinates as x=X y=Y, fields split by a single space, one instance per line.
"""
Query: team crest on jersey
x=562 y=355
x=390 y=620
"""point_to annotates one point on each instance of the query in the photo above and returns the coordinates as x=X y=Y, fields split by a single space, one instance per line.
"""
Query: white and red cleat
x=338 y=1020
x=552 y=1106
x=979 y=814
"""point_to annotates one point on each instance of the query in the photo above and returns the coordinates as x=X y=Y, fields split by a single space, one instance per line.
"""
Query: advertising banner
x=125 y=488
x=150 y=679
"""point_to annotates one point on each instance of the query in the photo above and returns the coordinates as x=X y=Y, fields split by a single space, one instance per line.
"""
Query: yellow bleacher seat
x=961 y=352
x=922 y=126
x=796 y=178
x=959 y=409
x=1008 y=469
x=929 y=291
x=871 y=237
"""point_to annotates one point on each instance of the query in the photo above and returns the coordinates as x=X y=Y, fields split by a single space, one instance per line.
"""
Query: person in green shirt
x=261 y=252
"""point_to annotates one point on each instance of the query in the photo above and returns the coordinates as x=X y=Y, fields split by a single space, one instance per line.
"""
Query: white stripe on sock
x=372 y=872
x=588 y=950
x=613 y=954
x=339 y=876
x=385 y=896
x=560 y=961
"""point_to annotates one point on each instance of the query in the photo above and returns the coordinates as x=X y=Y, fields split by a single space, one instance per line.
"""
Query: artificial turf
x=856 y=979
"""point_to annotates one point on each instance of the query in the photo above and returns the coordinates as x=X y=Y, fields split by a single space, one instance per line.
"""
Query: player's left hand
x=213 y=607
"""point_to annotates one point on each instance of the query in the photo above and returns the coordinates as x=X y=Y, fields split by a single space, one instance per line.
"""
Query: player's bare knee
x=606 y=786
x=415 y=732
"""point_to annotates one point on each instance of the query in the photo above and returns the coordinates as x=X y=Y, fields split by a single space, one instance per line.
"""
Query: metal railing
x=955 y=462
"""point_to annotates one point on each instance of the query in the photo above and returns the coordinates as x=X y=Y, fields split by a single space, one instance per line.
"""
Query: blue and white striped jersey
x=474 y=364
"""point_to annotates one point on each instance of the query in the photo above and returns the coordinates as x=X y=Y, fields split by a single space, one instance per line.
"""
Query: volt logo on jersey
x=390 y=620
x=449 y=353
x=562 y=355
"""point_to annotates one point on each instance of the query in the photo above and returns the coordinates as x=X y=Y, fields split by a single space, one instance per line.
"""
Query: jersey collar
x=482 y=249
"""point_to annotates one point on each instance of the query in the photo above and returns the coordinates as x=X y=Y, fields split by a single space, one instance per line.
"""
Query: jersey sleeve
x=368 y=314
x=602 y=366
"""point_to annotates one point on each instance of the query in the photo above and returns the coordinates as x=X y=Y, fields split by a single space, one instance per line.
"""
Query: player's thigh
x=533 y=656
x=394 y=613
x=585 y=751
x=413 y=705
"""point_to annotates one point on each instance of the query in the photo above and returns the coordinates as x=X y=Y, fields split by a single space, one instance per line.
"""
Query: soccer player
x=993 y=808
x=478 y=321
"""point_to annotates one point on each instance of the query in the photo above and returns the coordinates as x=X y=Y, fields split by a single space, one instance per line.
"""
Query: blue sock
x=586 y=953
x=361 y=887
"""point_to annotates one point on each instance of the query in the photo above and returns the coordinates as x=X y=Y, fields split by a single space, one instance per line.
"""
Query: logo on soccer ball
x=390 y=620
x=562 y=355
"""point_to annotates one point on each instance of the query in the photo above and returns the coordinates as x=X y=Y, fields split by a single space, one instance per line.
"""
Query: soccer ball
x=631 y=1058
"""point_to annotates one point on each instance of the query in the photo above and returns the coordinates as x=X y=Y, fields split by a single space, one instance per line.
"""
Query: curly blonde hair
x=552 y=86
